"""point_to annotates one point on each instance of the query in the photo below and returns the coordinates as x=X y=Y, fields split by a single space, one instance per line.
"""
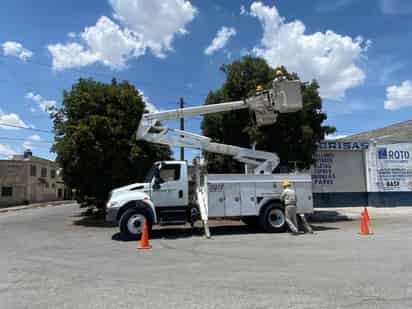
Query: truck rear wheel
x=272 y=219
x=132 y=221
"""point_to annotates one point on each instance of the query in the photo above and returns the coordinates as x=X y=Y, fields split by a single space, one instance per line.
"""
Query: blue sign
x=337 y=145
x=382 y=153
x=393 y=155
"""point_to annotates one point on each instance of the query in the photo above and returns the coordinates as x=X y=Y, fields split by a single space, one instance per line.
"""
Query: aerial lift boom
x=284 y=97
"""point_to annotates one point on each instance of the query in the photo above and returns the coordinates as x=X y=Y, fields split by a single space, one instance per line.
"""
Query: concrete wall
x=338 y=179
x=13 y=174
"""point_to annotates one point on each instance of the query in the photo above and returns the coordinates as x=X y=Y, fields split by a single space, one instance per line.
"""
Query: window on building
x=53 y=185
x=6 y=191
x=53 y=173
x=44 y=172
x=33 y=170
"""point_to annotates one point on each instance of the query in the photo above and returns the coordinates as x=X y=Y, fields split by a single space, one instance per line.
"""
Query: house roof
x=399 y=132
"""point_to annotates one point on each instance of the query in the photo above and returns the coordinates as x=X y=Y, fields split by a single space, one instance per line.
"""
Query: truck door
x=232 y=199
x=170 y=191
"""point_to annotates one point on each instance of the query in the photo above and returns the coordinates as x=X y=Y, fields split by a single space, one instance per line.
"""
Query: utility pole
x=182 y=127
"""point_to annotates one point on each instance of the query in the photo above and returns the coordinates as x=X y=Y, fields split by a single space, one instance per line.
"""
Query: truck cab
x=162 y=198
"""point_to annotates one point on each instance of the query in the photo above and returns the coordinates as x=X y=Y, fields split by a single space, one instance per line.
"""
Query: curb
x=37 y=205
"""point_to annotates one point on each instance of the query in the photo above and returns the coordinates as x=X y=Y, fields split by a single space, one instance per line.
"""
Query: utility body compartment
x=244 y=195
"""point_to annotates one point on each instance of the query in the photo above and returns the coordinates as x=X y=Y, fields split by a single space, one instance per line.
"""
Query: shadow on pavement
x=328 y=216
x=92 y=222
x=216 y=231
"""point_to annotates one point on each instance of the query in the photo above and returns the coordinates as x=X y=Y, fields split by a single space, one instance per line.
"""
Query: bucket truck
x=170 y=195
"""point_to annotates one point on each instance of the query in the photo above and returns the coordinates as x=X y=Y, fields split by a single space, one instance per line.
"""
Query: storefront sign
x=394 y=167
x=337 y=145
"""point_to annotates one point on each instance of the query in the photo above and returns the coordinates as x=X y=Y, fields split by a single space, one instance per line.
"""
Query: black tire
x=127 y=220
x=252 y=221
x=272 y=219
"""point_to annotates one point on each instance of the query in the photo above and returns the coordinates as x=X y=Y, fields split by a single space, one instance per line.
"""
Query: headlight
x=112 y=204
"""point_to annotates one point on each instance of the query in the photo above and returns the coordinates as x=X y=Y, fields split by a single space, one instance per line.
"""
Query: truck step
x=172 y=217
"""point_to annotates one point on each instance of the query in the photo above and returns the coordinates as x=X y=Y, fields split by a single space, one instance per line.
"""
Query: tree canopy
x=95 y=139
x=294 y=137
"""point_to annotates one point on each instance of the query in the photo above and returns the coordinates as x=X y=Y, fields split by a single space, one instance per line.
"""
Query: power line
x=24 y=139
x=2 y=124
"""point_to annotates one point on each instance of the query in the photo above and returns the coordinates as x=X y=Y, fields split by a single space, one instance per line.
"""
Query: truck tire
x=272 y=219
x=132 y=221
x=252 y=221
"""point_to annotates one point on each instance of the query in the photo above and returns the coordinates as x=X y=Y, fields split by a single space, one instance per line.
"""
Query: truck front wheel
x=132 y=221
x=272 y=219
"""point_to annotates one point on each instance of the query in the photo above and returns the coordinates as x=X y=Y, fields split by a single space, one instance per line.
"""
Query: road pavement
x=55 y=258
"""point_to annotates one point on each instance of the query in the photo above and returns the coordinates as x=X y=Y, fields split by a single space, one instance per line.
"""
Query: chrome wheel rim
x=276 y=218
x=135 y=224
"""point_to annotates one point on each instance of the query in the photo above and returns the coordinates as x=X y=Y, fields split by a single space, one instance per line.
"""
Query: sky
x=358 y=50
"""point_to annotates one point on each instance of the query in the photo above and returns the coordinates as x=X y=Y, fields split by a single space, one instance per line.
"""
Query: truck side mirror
x=156 y=180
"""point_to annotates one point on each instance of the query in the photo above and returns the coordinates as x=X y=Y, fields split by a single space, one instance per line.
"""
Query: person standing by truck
x=288 y=198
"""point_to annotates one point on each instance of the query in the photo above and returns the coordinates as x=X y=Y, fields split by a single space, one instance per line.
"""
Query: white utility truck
x=169 y=195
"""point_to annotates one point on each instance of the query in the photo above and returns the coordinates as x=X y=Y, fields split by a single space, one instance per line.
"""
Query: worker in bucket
x=288 y=198
x=279 y=75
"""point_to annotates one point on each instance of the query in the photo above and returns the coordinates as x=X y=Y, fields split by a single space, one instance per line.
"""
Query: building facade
x=350 y=173
x=29 y=179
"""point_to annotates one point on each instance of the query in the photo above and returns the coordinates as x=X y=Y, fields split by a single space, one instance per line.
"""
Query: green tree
x=293 y=137
x=95 y=138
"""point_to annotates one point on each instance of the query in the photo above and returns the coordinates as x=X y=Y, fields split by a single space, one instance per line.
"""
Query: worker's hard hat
x=259 y=88
x=279 y=72
x=285 y=184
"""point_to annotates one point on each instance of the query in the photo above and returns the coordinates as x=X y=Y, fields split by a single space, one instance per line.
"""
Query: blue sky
x=358 y=50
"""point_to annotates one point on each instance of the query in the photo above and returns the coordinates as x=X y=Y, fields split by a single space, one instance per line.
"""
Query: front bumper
x=111 y=214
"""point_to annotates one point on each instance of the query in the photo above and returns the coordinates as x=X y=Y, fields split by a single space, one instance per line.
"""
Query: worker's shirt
x=288 y=196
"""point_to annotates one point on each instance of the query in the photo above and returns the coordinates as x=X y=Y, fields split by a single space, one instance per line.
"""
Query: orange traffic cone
x=144 y=240
x=364 y=225
x=366 y=214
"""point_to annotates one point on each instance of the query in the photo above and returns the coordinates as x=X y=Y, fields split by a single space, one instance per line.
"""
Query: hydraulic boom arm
x=285 y=97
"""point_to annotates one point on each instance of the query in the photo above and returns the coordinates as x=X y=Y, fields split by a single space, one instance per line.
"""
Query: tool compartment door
x=248 y=199
x=232 y=199
x=216 y=200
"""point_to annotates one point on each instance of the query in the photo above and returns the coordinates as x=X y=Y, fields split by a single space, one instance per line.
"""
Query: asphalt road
x=52 y=258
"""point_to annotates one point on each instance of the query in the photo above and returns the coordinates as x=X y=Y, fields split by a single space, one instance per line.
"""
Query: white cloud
x=142 y=25
x=16 y=49
x=35 y=138
x=72 y=35
x=329 y=57
x=11 y=121
x=27 y=145
x=243 y=10
x=72 y=55
x=395 y=7
x=335 y=136
x=6 y=151
x=156 y=21
x=43 y=104
x=150 y=107
x=399 y=96
x=220 y=40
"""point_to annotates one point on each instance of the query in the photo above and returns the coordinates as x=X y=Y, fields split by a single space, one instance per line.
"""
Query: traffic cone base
x=144 y=240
